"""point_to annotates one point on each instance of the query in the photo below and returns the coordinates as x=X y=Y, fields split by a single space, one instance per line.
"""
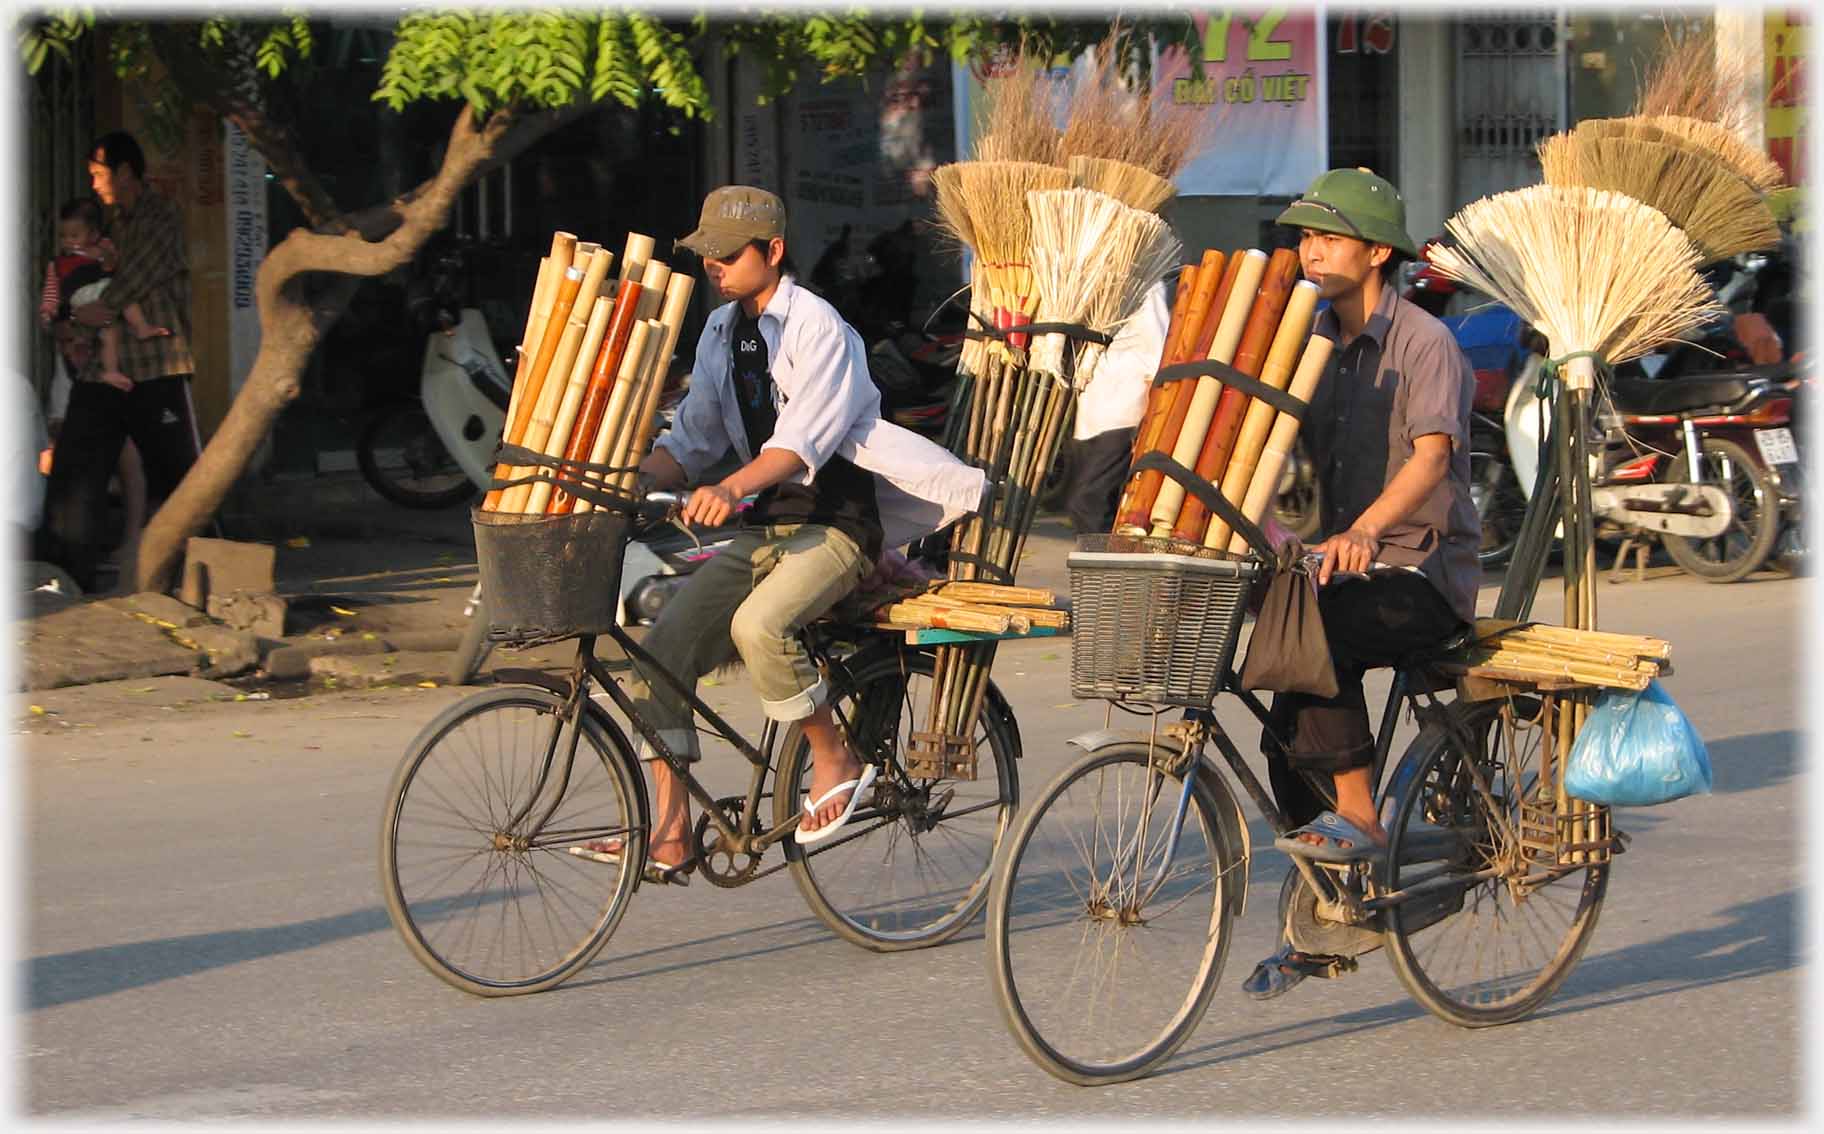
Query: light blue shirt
x=827 y=406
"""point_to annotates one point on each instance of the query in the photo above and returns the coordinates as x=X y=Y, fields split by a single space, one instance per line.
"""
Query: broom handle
x=564 y=422
x=1145 y=486
x=1250 y=356
x=596 y=395
x=1294 y=329
x=514 y=432
x=1265 y=483
x=1203 y=402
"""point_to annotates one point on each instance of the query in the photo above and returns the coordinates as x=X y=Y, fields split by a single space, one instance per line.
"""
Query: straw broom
x=994 y=196
x=1750 y=164
x=1018 y=115
x=1721 y=213
x=1263 y=486
x=1131 y=185
x=1204 y=398
x=1696 y=77
x=1250 y=355
x=1144 y=489
x=1108 y=119
x=1288 y=341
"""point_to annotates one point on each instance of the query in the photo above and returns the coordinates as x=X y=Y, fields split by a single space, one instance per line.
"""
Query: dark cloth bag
x=1289 y=652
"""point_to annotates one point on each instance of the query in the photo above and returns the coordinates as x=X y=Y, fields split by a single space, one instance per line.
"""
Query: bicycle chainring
x=725 y=868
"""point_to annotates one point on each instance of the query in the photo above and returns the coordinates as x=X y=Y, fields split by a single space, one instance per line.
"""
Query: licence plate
x=1776 y=446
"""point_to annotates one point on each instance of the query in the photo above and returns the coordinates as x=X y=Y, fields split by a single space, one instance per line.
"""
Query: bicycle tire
x=1436 y=760
x=1763 y=527
x=408 y=420
x=815 y=869
x=1047 y=1050
x=413 y=908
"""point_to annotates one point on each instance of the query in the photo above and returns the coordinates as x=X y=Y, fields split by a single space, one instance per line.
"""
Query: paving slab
x=94 y=642
x=364 y=671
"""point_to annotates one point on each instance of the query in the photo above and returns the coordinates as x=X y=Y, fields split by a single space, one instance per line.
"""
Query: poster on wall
x=859 y=162
x=244 y=174
x=1786 y=34
x=1261 y=81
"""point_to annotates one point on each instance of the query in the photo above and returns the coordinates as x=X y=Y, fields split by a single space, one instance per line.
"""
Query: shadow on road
x=1745 y=763
x=1759 y=938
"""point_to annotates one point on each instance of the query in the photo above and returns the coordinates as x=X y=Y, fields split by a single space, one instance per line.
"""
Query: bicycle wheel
x=473 y=650
x=1745 y=547
x=911 y=868
x=484 y=893
x=1491 y=951
x=401 y=455
x=1104 y=941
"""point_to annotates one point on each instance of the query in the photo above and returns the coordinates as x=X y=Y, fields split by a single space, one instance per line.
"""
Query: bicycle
x=1138 y=852
x=489 y=796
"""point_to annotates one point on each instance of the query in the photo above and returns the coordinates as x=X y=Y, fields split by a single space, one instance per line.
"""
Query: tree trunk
x=297 y=306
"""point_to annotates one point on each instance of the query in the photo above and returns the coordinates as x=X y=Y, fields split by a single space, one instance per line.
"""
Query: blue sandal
x=1275 y=976
x=1334 y=830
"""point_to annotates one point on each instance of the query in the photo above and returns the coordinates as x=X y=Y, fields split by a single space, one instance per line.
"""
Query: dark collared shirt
x=1403 y=377
x=154 y=272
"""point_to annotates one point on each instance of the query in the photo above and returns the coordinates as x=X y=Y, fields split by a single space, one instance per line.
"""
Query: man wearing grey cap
x=783 y=380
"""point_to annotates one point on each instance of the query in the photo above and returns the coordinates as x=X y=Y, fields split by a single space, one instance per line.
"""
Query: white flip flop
x=855 y=787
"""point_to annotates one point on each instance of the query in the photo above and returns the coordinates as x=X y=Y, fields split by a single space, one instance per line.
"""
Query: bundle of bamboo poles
x=590 y=371
x=1249 y=311
x=1588 y=657
x=978 y=606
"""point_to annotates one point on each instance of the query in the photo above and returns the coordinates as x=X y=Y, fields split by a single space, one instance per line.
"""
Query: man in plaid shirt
x=154 y=272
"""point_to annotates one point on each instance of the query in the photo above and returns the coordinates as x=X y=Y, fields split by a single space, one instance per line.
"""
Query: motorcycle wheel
x=1300 y=505
x=465 y=666
x=1745 y=547
x=1500 y=503
x=401 y=455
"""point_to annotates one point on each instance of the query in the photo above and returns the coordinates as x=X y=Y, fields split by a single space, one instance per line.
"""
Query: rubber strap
x=1212 y=498
x=1229 y=376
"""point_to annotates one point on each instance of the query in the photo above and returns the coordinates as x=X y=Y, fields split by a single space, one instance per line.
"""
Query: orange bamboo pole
x=1203 y=400
x=671 y=318
x=601 y=383
x=563 y=423
x=515 y=431
x=1214 y=286
x=1294 y=329
x=1250 y=356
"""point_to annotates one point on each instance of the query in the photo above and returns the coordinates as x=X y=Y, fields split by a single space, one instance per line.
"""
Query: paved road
x=205 y=939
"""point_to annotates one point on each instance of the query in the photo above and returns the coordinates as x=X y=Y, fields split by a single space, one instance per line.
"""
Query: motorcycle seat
x=1679 y=394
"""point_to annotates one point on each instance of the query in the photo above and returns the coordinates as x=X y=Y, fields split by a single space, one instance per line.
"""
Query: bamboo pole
x=564 y=421
x=514 y=432
x=1203 y=402
x=627 y=376
x=1195 y=347
x=563 y=360
x=1294 y=329
x=1250 y=355
x=596 y=396
x=995 y=593
x=1143 y=488
x=1265 y=483
x=678 y=288
x=548 y=271
x=634 y=256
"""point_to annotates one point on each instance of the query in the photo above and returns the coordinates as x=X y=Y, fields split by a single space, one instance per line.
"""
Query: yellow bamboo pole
x=1265 y=483
x=633 y=364
x=1203 y=403
x=514 y=431
x=1282 y=357
x=564 y=422
x=559 y=377
x=678 y=290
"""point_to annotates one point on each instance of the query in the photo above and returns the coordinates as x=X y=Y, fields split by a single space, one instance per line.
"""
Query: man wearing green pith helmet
x=1388 y=428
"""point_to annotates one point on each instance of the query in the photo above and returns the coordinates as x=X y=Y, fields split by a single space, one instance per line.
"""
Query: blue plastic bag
x=1637 y=750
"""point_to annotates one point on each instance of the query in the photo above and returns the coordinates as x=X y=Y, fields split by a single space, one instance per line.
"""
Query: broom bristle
x=994 y=197
x=1592 y=270
x=1751 y=164
x=952 y=211
x=1094 y=259
x=1695 y=77
x=1018 y=121
x=1138 y=188
x=1110 y=120
x=1720 y=212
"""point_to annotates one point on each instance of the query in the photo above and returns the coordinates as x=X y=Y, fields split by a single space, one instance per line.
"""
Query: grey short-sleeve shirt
x=1403 y=377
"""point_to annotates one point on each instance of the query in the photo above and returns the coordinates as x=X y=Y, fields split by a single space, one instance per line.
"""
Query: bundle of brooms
x=1603 y=277
x=1061 y=229
x=590 y=371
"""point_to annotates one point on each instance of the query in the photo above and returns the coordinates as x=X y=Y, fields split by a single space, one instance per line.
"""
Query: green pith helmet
x=1353 y=202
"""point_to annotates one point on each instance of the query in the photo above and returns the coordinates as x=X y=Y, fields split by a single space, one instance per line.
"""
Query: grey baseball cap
x=732 y=216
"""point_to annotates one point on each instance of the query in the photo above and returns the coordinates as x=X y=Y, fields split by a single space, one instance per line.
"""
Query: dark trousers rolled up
x=1371 y=621
x=1095 y=486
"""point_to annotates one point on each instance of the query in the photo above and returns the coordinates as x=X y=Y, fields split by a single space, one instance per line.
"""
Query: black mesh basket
x=1154 y=621
x=546 y=578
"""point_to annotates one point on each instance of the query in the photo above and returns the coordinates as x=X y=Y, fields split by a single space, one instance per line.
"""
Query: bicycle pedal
x=1324 y=966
